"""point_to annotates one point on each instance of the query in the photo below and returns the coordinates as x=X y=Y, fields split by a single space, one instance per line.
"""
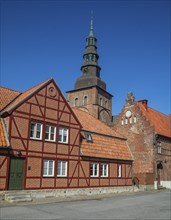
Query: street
x=144 y=205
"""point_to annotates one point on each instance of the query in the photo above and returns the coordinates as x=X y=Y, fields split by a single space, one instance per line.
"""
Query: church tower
x=90 y=92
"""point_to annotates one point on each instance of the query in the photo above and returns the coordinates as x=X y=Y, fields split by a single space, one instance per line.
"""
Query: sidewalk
x=4 y=203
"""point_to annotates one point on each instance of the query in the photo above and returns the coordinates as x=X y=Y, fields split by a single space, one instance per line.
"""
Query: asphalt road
x=144 y=205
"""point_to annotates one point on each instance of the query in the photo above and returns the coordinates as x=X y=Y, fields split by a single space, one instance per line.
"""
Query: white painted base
x=166 y=184
x=155 y=185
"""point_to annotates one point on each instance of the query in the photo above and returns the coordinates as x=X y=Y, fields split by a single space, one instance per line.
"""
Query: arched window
x=76 y=101
x=85 y=100
x=135 y=119
x=101 y=102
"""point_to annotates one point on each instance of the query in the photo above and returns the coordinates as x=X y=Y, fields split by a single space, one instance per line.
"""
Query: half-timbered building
x=45 y=144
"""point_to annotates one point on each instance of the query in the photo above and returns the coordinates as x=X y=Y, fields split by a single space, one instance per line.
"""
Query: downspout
x=155 y=163
x=133 y=176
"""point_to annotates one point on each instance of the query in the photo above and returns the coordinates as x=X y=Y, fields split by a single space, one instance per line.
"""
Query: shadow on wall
x=135 y=182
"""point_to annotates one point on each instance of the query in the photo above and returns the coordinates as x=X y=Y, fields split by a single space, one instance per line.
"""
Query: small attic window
x=88 y=137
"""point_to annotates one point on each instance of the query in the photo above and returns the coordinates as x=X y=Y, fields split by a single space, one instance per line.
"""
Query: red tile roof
x=23 y=96
x=7 y=96
x=4 y=142
x=92 y=124
x=160 y=121
x=107 y=143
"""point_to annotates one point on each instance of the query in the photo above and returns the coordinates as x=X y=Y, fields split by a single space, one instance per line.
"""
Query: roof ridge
x=153 y=109
x=160 y=112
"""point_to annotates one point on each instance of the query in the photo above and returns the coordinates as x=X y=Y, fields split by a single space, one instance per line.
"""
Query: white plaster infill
x=166 y=184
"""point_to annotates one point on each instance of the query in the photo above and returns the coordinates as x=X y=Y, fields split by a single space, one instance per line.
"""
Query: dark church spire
x=90 y=68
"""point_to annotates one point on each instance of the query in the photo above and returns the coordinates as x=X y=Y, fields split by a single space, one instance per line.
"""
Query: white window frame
x=48 y=167
x=119 y=170
x=104 y=169
x=62 y=129
x=63 y=166
x=35 y=130
x=94 y=167
x=50 y=132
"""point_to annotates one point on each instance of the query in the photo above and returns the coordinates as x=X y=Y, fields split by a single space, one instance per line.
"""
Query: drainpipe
x=155 y=163
x=133 y=176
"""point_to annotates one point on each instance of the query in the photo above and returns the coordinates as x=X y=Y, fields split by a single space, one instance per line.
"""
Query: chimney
x=144 y=102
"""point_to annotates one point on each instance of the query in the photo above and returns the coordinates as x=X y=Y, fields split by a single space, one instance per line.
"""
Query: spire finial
x=91 y=24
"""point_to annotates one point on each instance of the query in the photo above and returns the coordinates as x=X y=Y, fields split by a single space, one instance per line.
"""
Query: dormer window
x=88 y=137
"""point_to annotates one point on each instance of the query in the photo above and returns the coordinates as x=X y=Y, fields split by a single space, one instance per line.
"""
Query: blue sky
x=46 y=38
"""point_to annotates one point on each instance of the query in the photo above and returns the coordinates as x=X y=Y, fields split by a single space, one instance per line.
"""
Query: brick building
x=44 y=144
x=148 y=134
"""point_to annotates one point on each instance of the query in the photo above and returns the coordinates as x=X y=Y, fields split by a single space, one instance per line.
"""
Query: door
x=16 y=175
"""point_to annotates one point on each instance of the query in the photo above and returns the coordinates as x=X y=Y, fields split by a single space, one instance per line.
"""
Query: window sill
x=36 y=139
x=50 y=141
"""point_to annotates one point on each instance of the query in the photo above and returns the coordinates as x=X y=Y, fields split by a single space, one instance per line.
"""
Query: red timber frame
x=50 y=107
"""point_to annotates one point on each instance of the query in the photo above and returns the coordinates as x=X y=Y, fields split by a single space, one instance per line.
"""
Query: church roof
x=160 y=121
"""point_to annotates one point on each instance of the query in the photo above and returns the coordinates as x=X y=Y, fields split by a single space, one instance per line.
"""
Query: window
x=135 y=119
x=104 y=170
x=101 y=102
x=85 y=100
x=94 y=169
x=159 y=148
x=48 y=168
x=88 y=137
x=62 y=168
x=119 y=170
x=36 y=130
x=63 y=135
x=50 y=133
x=105 y=104
x=76 y=101
x=122 y=122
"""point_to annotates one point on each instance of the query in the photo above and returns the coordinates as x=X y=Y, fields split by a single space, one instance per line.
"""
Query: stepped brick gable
x=149 y=136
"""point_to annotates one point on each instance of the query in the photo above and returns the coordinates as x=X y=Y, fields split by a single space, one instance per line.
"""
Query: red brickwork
x=140 y=128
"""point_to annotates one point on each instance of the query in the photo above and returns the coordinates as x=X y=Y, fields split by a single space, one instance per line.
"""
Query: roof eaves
x=105 y=158
x=5 y=132
x=88 y=87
